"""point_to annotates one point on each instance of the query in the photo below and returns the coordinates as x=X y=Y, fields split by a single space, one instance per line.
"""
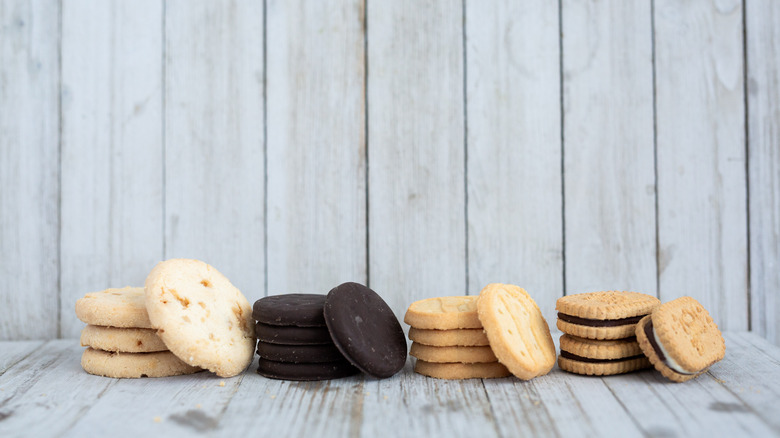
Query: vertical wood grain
x=609 y=177
x=29 y=169
x=416 y=150
x=316 y=145
x=701 y=157
x=111 y=148
x=763 y=75
x=514 y=148
x=214 y=140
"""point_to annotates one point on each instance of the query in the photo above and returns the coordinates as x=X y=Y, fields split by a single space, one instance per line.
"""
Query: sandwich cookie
x=449 y=338
x=681 y=339
x=134 y=365
x=603 y=315
x=456 y=371
x=600 y=358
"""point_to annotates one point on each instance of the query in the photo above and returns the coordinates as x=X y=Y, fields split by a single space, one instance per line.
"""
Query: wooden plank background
x=424 y=148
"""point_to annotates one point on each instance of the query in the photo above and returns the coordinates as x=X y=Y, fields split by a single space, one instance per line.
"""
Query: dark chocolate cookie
x=302 y=310
x=365 y=330
x=305 y=371
x=292 y=335
x=299 y=353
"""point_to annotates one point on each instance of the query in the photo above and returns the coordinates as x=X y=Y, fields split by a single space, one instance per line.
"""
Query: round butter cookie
x=134 y=365
x=122 y=307
x=457 y=371
x=200 y=316
x=449 y=338
x=126 y=340
x=430 y=353
x=444 y=313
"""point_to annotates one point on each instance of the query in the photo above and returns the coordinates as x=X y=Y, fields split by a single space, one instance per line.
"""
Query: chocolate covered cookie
x=301 y=310
x=292 y=335
x=305 y=371
x=299 y=353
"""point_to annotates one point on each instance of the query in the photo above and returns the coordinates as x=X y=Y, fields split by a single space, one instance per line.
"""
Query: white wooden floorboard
x=214 y=164
x=13 y=352
x=316 y=154
x=518 y=409
x=763 y=98
x=112 y=169
x=513 y=118
x=609 y=196
x=29 y=169
x=700 y=123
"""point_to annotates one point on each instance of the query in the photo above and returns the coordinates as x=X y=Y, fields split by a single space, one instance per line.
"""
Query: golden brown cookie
x=444 y=313
x=600 y=358
x=126 y=340
x=518 y=334
x=603 y=315
x=134 y=365
x=457 y=371
x=603 y=368
x=608 y=349
x=430 y=353
x=449 y=338
x=122 y=307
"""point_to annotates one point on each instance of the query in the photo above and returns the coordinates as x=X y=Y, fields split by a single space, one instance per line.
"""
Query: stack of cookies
x=599 y=332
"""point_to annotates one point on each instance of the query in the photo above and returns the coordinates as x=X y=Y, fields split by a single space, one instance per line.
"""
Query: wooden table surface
x=44 y=392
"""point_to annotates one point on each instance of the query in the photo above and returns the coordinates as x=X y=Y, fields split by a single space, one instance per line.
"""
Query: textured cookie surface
x=299 y=353
x=607 y=304
x=449 y=338
x=604 y=368
x=431 y=353
x=126 y=340
x=518 y=333
x=292 y=335
x=365 y=330
x=202 y=318
x=444 y=313
x=123 y=307
x=305 y=371
x=302 y=310
x=582 y=331
x=134 y=365
x=653 y=356
x=611 y=349
x=456 y=371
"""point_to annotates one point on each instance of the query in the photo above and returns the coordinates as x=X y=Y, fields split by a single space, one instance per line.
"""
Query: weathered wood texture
x=702 y=210
x=44 y=392
x=316 y=145
x=762 y=30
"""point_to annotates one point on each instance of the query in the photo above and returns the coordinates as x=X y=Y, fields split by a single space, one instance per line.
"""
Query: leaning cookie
x=681 y=339
x=603 y=315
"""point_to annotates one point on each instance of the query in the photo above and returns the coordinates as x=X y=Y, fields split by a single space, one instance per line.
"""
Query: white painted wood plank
x=763 y=87
x=518 y=409
x=29 y=169
x=608 y=146
x=416 y=151
x=514 y=148
x=111 y=148
x=316 y=145
x=13 y=352
x=701 y=157
x=214 y=177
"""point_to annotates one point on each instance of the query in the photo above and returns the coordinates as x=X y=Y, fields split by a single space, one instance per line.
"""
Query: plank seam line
x=620 y=402
x=22 y=358
x=235 y=388
x=88 y=407
x=465 y=147
x=265 y=148
x=59 y=172
x=655 y=154
x=746 y=103
x=365 y=137
x=748 y=406
x=164 y=99
x=563 y=151
x=494 y=423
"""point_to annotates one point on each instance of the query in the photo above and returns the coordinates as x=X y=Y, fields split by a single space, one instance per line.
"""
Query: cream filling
x=671 y=363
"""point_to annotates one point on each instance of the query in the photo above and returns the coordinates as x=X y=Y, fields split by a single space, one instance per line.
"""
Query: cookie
x=681 y=339
x=299 y=353
x=449 y=338
x=600 y=358
x=305 y=371
x=365 y=330
x=518 y=334
x=202 y=318
x=430 y=353
x=301 y=310
x=122 y=307
x=456 y=371
x=126 y=340
x=134 y=365
x=292 y=335
x=444 y=313
x=603 y=315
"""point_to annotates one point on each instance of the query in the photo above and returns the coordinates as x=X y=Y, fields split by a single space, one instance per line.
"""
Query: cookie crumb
x=157 y=419
x=385 y=397
x=222 y=383
x=198 y=406
x=273 y=396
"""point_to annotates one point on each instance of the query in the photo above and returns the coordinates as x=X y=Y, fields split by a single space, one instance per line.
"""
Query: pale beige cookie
x=202 y=318
x=123 y=307
x=449 y=338
x=603 y=368
x=430 y=353
x=516 y=329
x=611 y=349
x=134 y=365
x=126 y=340
x=607 y=304
x=444 y=313
x=602 y=333
x=456 y=371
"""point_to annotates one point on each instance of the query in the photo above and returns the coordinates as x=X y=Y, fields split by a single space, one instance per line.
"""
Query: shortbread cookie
x=126 y=340
x=430 y=353
x=449 y=338
x=457 y=371
x=603 y=315
x=681 y=339
x=516 y=329
x=299 y=353
x=600 y=358
x=134 y=365
x=305 y=371
x=122 y=307
x=444 y=313
x=365 y=330
x=202 y=318
x=301 y=310
x=292 y=335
